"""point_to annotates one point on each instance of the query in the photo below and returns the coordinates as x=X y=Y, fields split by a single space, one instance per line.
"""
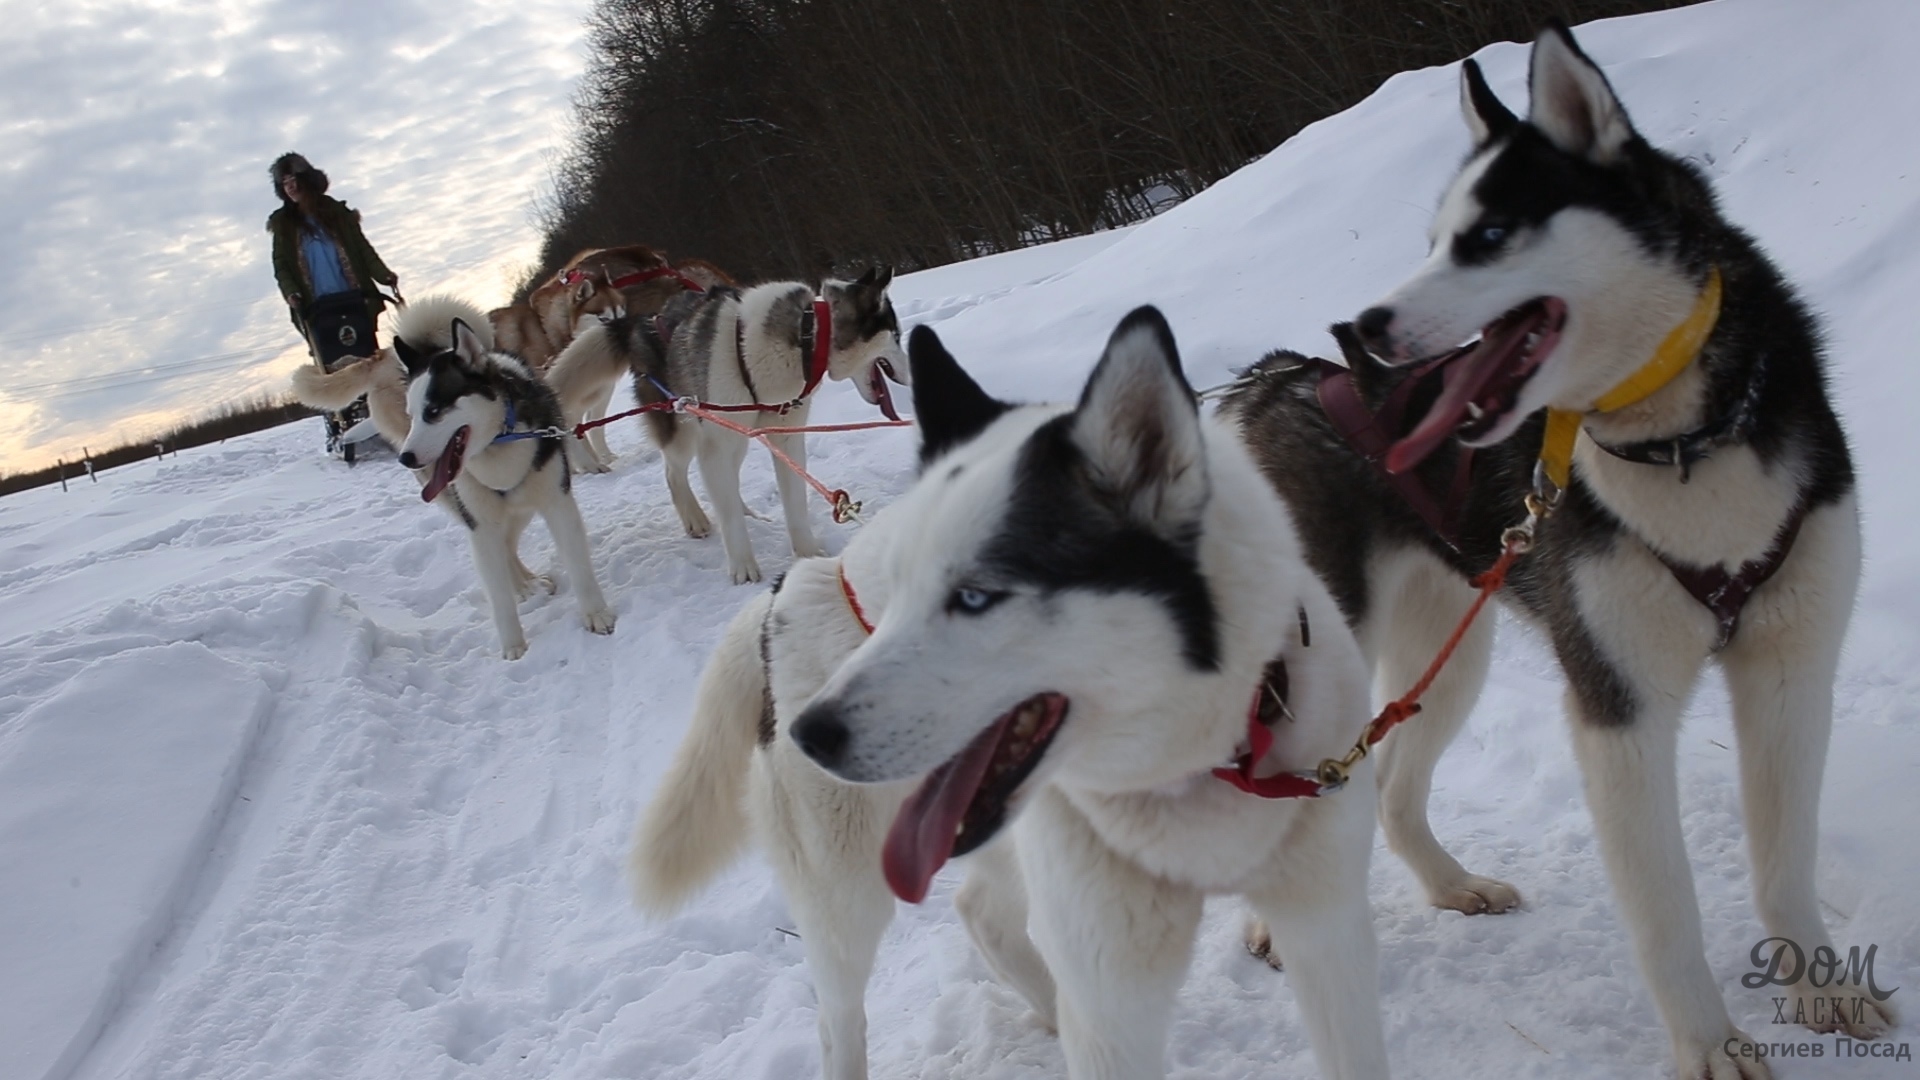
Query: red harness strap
x=816 y=344
x=846 y=589
x=822 y=345
x=1286 y=785
x=1332 y=774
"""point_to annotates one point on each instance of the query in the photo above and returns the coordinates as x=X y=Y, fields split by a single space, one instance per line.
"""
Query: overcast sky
x=135 y=285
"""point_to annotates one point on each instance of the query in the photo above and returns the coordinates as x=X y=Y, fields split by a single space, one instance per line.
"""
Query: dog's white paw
x=513 y=650
x=1475 y=895
x=1715 y=1063
x=745 y=570
x=697 y=525
x=600 y=622
x=1259 y=939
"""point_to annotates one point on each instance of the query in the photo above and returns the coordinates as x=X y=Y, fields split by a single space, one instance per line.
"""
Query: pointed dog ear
x=883 y=277
x=1138 y=425
x=411 y=358
x=1572 y=103
x=948 y=406
x=1486 y=115
x=466 y=343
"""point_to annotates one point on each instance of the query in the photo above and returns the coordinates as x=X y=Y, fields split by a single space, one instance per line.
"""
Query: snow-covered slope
x=363 y=846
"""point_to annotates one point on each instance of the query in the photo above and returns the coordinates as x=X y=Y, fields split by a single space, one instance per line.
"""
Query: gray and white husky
x=1706 y=472
x=472 y=414
x=771 y=345
x=1073 y=615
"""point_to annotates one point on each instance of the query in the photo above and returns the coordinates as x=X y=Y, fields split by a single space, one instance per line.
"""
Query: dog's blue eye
x=971 y=601
x=1492 y=234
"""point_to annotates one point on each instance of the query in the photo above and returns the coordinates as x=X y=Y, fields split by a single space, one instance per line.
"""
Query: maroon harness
x=1724 y=594
x=1371 y=435
x=638 y=277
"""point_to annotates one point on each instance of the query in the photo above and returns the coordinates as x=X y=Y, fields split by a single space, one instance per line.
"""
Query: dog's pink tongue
x=1462 y=382
x=881 y=395
x=922 y=836
x=446 y=467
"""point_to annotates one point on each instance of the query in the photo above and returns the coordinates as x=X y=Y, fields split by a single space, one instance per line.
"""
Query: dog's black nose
x=410 y=460
x=1372 y=325
x=822 y=736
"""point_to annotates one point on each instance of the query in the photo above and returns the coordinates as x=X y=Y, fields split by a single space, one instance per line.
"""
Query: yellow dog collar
x=1681 y=347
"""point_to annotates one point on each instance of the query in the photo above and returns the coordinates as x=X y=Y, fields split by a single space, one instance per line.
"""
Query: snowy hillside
x=272 y=806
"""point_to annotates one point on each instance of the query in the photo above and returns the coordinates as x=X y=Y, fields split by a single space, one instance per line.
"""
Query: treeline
x=787 y=137
x=243 y=418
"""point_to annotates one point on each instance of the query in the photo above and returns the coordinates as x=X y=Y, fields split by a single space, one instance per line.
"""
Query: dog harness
x=638 y=277
x=508 y=423
x=816 y=344
x=1372 y=434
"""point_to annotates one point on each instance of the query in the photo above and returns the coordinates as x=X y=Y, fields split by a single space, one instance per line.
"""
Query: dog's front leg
x=721 y=455
x=603 y=455
x=525 y=581
x=1322 y=925
x=570 y=541
x=1633 y=792
x=823 y=838
x=793 y=493
x=993 y=905
x=1117 y=939
x=677 y=453
x=494 y=558
x=1780 y=669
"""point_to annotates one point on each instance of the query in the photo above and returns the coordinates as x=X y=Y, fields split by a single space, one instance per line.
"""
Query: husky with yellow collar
x=1073 y=614
x=1671 y=389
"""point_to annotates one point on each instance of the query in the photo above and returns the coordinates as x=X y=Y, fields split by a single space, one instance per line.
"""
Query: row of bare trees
x=790 y=137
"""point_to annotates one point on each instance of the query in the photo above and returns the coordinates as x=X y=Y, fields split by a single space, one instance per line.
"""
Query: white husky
x=1076 y=615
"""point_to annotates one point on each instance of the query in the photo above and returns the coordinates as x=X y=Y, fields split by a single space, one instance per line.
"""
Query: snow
x=89 y=888
x=250 y=698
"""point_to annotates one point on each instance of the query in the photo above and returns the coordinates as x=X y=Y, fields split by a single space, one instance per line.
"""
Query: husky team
x=1037 y=658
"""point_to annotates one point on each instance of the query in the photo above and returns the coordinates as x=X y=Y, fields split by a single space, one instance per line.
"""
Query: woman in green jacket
x=324 y=265
x=330 y=276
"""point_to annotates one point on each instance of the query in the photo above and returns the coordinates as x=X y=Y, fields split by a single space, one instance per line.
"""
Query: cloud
x=133 y=175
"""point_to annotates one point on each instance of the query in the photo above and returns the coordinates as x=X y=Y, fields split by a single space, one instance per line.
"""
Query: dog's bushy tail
x=427 y=323
x=696 y=824
x=335 y=390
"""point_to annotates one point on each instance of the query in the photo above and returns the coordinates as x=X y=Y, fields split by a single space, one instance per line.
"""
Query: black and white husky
x=771 y=345
x=475 y=418
x=1708 y=468
x=1073 y=614
x=427 y=325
